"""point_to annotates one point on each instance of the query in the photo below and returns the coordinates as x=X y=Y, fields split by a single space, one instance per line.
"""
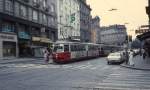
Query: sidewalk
x=140 y=63
x=16 y=60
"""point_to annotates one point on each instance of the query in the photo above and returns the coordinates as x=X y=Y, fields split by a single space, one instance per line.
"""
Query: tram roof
x=67 y=42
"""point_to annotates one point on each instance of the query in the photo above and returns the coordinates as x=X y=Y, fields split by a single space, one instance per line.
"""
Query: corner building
x=25 y=26
x=68 y=15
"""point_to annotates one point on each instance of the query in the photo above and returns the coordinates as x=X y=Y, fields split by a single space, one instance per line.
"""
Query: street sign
x=72 y=18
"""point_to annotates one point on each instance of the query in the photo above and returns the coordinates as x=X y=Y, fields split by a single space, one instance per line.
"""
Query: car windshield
x=115 y=54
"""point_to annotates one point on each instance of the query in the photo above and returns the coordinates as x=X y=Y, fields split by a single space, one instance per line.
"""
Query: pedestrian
x=131 y=58
x=46 y=55
x=144 y=54
x=50 y=53
x=127 y=56
x=140 y=52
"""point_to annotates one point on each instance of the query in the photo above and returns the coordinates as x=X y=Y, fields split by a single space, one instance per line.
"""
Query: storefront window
x=9 y=49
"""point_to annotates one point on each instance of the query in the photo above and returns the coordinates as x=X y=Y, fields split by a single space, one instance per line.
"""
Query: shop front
x=39 y=44
x=8 y=45
x=145 y=38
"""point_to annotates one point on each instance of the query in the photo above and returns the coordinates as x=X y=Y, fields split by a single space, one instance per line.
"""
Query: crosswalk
x=111 y=77
x=126 y=80
x=87 y=66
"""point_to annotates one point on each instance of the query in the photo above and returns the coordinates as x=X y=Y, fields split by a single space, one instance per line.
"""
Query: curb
x=131 y=67
x=17 y=60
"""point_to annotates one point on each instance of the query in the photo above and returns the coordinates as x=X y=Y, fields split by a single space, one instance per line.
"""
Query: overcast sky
x=129 y=11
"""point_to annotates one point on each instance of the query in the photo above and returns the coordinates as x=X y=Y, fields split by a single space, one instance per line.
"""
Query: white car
x=114 y=58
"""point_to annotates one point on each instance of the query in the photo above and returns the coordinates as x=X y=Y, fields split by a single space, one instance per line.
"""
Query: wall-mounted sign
x=39 y=39
x=7 y=37
x=36 y=39
x=23 y=35
x=46 y=40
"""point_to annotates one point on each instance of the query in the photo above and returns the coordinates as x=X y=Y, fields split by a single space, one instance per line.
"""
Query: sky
x=128 y=11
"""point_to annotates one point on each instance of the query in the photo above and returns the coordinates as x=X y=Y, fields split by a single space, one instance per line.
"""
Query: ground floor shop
x=145 y=38
x=8 y=45
x=23 y=38
x=39 y=44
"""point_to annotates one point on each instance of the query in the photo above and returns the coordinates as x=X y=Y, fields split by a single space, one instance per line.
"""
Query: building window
x=9 y=5
x=44 y=3
x=44 y=19
x=52 y=8
x=17 y=9
x=23 y=11
x=35 y=15
x=8 y=27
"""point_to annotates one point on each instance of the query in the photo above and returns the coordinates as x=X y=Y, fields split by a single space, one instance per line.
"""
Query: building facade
x=68 y=15
x=113 y=35
x=25 y=24
x=142 y=29
x=95 y=30
x=85 y=19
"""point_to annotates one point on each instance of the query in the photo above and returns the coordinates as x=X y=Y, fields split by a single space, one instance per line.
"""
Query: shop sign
x=36 y=38
x=8 y=37
x=23 y=35
x=45 y=40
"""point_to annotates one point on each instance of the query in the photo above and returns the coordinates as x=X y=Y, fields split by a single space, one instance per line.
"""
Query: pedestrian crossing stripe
x=80 y=67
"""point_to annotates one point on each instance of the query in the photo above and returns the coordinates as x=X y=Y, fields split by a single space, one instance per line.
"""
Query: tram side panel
x=78 y=51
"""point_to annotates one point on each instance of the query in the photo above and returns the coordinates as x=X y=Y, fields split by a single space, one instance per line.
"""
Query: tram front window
x=58 y=49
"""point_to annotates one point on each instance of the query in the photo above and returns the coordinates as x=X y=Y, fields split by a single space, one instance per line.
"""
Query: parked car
x=116 y=57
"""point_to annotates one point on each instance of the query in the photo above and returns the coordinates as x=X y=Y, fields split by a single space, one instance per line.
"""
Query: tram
x=73 y=51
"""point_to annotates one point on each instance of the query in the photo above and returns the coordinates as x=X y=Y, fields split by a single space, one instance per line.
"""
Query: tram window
x=74 y=47
x=58 y=49
x=66 y=47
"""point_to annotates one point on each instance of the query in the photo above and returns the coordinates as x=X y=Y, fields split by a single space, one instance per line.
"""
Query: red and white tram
x=71 y=51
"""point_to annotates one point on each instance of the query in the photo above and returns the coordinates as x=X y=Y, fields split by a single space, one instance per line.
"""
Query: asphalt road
x=92 y=74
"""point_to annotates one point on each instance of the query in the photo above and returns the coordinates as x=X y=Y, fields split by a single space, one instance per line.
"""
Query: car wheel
x=108 y=63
